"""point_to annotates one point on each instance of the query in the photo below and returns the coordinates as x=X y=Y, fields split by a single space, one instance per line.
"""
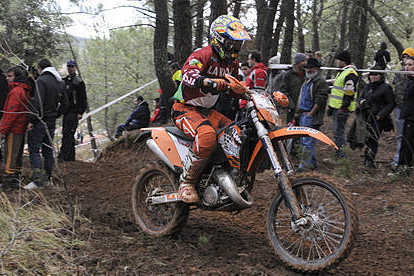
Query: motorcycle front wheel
x=332 y=226
x=157 y=220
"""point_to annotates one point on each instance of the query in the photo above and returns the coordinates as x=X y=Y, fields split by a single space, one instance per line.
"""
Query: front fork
x=283 y=180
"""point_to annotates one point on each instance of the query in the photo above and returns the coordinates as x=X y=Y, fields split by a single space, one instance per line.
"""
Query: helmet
x=227 y=36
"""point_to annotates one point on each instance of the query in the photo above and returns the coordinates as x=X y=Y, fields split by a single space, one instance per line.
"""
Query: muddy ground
x=218 y=243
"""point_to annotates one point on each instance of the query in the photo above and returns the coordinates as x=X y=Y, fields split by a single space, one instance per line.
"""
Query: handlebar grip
x=211 y=84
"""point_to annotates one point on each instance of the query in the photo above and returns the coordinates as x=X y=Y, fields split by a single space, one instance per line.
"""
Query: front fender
x=289 y=133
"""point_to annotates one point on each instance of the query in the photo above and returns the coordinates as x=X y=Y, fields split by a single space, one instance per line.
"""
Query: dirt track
x=222 y=243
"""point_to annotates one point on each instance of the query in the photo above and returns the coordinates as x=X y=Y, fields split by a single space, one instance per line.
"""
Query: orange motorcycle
x=311 y=222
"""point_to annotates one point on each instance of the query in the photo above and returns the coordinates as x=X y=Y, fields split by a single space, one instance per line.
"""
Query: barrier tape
x=288 y=66
x=84 y=117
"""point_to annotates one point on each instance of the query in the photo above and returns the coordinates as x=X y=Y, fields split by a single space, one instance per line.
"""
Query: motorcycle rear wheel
x=160 y=219
x=331 y=234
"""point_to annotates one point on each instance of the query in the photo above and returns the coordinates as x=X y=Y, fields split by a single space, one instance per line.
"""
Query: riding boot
x=192 y=169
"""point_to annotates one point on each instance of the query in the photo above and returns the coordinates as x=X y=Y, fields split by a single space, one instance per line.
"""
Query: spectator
x=292 y=81
x=342 y=99
x=257 y=77
x=139 y=117
x=245 y=68
x=177 y=75
x=309 y=54
x=319 y=57
x=76 y=94
x=274 y=77
x=48 y=103
x=382 y=56
x=399 y=94
x=274 y=74
x=312 y=103
x=405 y=161
x=156 y=116
x=13 y=126
x=376 y=102
x=4 y=89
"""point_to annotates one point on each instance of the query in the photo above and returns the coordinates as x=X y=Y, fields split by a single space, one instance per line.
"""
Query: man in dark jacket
x=76 y=94
x=312 y=101
x=48 y=103
x=292 y=81
x=139 y=118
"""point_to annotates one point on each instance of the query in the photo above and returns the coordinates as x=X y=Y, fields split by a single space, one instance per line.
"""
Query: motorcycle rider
x=192 y=112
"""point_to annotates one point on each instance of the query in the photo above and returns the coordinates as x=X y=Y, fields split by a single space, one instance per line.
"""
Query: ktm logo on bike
x=303 y=129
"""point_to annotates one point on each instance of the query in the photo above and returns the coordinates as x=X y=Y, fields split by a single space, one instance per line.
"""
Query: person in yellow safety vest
x=342 y=99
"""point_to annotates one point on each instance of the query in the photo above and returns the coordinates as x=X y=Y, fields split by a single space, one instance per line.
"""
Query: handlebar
x=211 y=84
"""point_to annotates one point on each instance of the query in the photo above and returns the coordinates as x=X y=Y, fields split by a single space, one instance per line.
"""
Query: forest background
x=117 y=60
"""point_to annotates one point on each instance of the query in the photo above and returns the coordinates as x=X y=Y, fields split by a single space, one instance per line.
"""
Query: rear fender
x=289 y=133
x=164 y=147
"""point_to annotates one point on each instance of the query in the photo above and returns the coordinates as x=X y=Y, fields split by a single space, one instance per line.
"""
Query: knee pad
x=205 y=141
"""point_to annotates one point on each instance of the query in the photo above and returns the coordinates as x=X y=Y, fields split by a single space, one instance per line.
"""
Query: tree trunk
x=268 y=29
x=357 y=29
x=261 y=12
x=218 y=7
x=160 y=48
x=316 y=16
x=394 y=41
x=182 y=30
x=278 y=29
x=199 y=34
x=237 y=6
x=301 y=37
x=286 y=55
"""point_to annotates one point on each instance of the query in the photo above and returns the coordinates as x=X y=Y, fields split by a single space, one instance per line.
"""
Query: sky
x=83 y=24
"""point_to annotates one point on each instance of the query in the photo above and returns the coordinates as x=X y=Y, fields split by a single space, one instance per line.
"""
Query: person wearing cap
x=291 y=83
x=139 y=118
x=76 y=94
x=342 y=101
x=398 y=84
x=376 y=103
x=312 y=102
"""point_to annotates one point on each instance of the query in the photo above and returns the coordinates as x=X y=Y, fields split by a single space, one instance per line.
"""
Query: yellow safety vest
x=338 y=90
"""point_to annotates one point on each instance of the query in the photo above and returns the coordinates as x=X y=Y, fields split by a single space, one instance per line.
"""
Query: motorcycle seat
x=179 y=133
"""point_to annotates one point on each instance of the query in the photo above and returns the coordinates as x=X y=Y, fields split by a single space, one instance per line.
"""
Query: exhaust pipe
x=227 y=183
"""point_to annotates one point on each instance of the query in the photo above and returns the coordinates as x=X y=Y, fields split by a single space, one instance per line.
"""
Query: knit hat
x=71 y=63
x=312 y=63
x=274 y=62
x=298 y=58
x=344 y=56
x=409 y=52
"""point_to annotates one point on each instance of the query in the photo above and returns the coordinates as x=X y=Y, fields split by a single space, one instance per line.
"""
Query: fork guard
x=289 y=133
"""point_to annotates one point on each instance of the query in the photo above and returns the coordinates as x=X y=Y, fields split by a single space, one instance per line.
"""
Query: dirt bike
x=311 y=222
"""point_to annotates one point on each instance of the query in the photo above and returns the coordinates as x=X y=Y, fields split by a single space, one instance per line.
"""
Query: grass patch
x=36 y=237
